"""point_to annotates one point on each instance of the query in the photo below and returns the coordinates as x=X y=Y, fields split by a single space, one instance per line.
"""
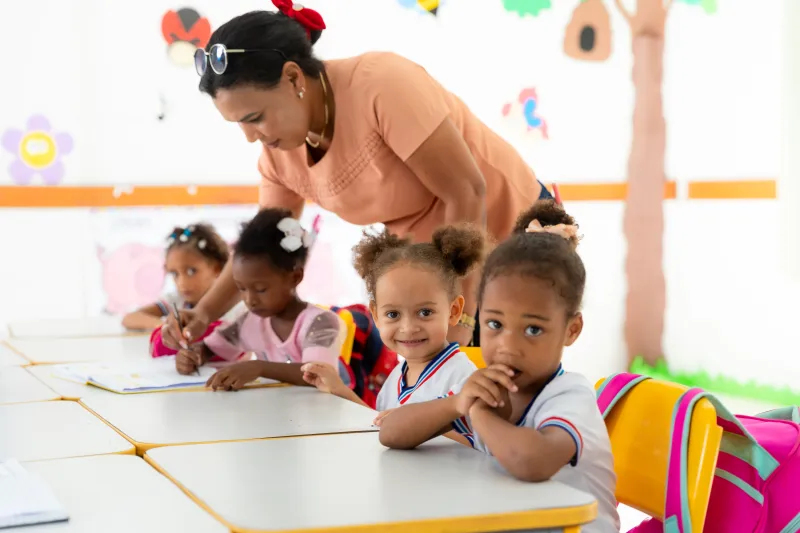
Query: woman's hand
x=195 y=323
x=324 y=377
x=235 y=376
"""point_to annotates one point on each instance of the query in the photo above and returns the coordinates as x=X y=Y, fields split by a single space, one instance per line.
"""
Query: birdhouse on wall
x=588 y=35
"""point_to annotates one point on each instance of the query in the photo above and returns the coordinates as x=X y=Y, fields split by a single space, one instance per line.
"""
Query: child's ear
x=373 y=310
x=456 y=309
x=297 y=275
x=574 y=328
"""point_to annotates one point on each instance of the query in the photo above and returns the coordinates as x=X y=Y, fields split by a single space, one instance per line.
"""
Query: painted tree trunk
x=643 y=222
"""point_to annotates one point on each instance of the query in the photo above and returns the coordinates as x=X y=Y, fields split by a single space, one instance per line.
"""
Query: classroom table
x=104 y=326
x=55 y=430
x=119 y=494
x=165 y=419
x=72 y=350
x=9 y=357
x=351 y=482
x=18 y=386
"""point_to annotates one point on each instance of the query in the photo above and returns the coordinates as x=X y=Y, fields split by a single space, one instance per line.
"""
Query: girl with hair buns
x=537 y=420
x=372 y=138
x=414 y=299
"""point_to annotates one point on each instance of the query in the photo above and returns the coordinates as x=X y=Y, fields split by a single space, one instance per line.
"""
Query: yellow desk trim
x=11 y=347
x=569 y=518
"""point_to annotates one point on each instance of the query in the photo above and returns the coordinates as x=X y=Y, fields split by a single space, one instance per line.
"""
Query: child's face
x=193 y=273
x=413 y=311
x=524 y=325
x=265 y=290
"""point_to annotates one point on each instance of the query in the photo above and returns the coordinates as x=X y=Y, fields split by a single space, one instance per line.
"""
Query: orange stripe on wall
x=182 y=195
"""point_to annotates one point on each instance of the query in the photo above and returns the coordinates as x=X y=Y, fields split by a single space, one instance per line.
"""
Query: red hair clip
x=308 y=18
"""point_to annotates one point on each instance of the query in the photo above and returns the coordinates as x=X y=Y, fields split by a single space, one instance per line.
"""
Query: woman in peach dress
x=372 y=138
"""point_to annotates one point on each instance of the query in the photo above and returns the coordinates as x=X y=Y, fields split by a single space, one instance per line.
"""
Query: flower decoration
x=38 y=150
x=527 y=107
x=295 y=236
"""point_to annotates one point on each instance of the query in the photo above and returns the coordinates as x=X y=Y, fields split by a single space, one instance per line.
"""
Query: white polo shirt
x=568 y=402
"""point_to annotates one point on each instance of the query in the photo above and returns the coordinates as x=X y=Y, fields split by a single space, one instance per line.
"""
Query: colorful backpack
x=756 y=486
x=371 y=361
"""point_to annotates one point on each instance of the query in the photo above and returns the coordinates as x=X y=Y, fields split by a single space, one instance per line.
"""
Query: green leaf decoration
x=709 y=6
x=720 y=384
x=527 y=7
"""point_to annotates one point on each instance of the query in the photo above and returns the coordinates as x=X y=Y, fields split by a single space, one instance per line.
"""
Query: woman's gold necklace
x=311 y=143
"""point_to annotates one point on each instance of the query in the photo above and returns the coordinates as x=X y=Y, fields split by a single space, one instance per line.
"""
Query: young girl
x=278 y=327
x=414 y=298
x=539 y=421
x=194 y=258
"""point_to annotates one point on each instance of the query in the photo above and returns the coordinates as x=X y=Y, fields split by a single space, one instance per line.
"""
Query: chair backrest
x=640 y=428
x=347 y=347
x=474 y=355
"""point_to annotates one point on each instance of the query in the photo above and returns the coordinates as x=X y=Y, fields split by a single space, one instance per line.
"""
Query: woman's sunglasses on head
x=217 y=57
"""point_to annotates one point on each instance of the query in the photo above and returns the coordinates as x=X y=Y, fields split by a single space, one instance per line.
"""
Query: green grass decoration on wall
x=720 y=384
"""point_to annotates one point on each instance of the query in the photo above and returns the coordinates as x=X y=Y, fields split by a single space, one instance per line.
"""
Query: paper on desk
x=150 y=375
x=25 y=499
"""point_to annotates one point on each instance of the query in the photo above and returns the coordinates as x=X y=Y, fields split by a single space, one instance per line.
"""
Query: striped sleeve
x=570 y=406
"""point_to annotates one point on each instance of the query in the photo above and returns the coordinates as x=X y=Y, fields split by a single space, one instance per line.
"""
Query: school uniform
x=568 y=402
x=450 y=367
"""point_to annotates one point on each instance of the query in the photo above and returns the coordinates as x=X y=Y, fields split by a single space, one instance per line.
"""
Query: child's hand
x=187 y=361
x=381 y=416
x=491 y=385
x=235 y=376
x=323 y=376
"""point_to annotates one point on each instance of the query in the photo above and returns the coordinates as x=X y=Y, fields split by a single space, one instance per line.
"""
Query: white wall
x=98 y=69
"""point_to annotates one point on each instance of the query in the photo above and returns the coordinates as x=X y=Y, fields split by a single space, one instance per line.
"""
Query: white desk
x=55 y=430
x=119 y=494
x=17 y=386
x=344 y=482
x=105 y=326
x=43 y=351
x=9 y=357
x=164 y=419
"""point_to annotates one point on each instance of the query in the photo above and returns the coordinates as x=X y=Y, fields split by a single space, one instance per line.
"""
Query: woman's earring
x=300 y=93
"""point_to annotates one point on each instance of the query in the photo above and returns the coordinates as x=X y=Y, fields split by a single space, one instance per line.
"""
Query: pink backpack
x=756 y=486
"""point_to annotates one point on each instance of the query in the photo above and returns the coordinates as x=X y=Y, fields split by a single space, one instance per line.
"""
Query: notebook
x=151 y=375
x=25 y=499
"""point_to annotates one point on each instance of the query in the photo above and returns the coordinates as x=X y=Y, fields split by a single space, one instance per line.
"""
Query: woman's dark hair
x=273 y=39
x=452 y=253
x=260 y=238
x=204 y=239
x=540 y=255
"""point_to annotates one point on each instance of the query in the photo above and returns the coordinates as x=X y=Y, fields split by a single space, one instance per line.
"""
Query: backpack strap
x=615 y=387
x=790 y=414
x=677 y=517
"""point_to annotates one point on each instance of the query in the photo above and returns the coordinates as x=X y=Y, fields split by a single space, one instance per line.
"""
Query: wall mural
x=588 y=37
x=38 y=150
x=522 y=115
x=133 y=276
x=427 y=6
x=526 y=7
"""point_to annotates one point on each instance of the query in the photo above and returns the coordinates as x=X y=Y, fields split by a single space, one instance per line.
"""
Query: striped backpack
x=756 y=487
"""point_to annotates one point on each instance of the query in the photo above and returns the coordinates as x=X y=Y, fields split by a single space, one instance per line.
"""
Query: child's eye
x=533 y=331
x=191 y=271
x=493 y=324
x=392 y=314
x=425 y=312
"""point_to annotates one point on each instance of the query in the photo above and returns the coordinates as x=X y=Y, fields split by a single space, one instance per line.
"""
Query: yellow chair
x=640 y=429
x=349 y=340
x=475 y=356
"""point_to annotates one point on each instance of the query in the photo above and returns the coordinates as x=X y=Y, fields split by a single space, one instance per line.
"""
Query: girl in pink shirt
x=281 y=330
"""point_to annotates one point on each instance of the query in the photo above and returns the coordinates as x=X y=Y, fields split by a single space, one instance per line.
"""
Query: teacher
x=372 y=138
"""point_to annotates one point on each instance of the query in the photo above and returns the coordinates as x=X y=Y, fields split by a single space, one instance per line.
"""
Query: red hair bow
x=308 y=18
